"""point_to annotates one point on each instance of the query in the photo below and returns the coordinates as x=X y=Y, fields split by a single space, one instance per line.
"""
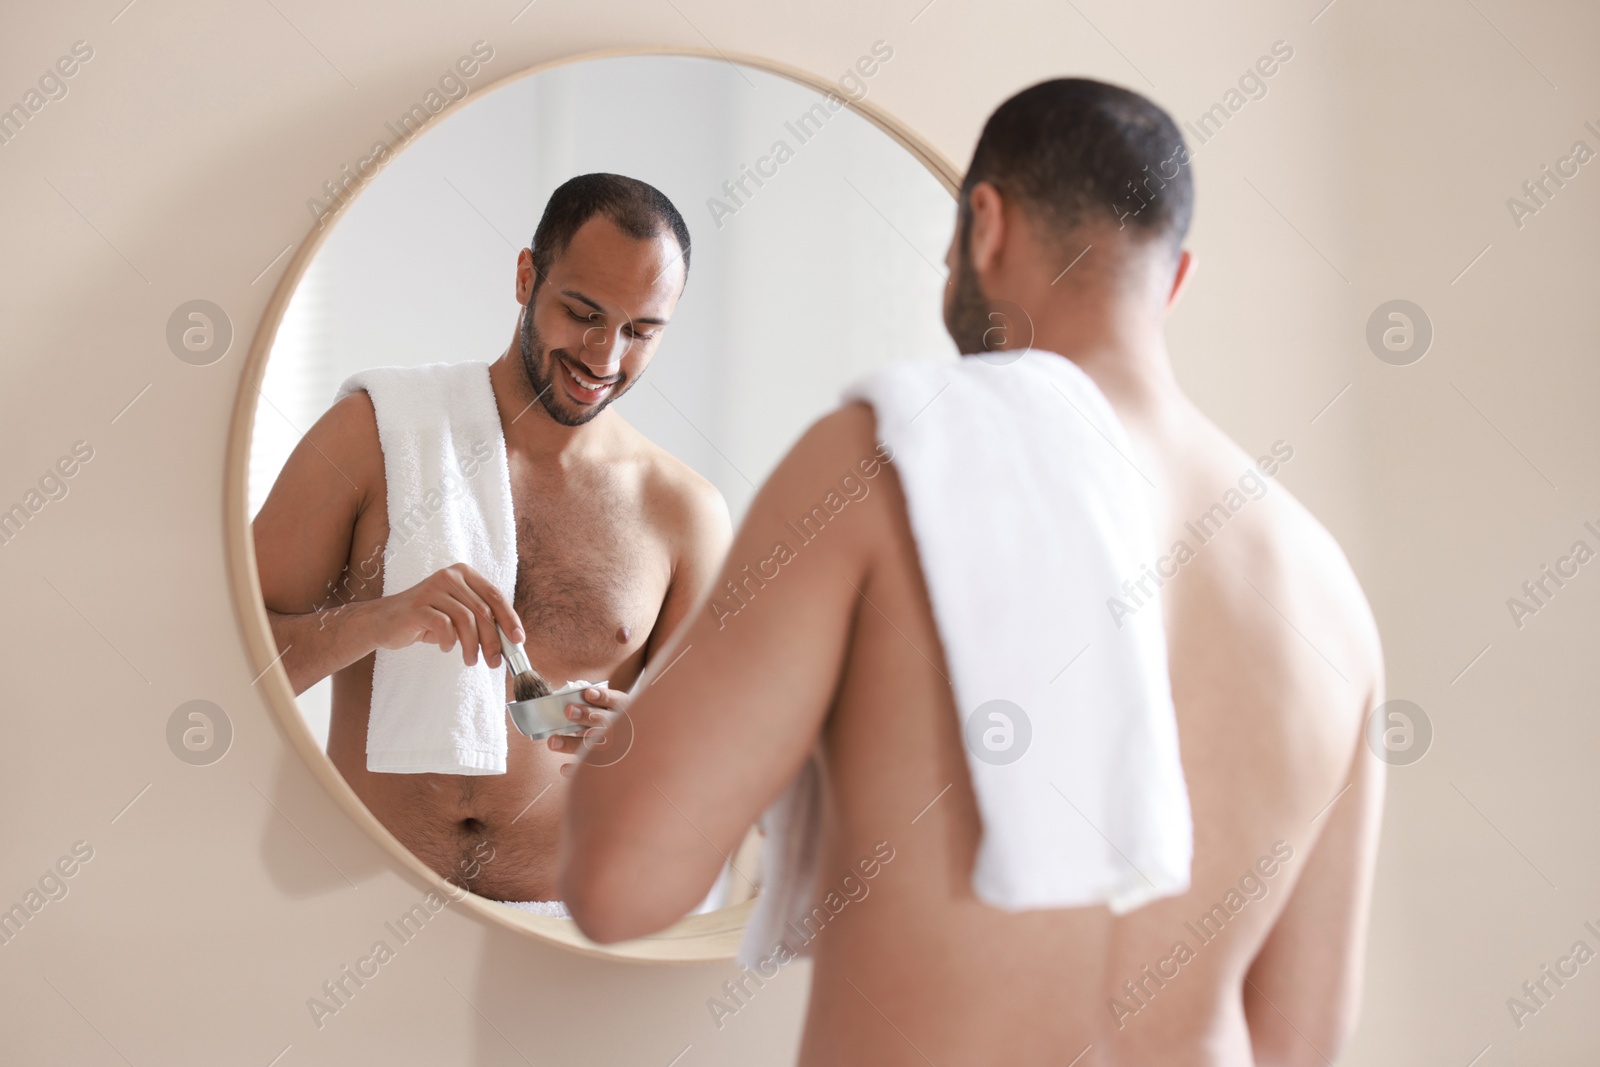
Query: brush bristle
x=529 y=685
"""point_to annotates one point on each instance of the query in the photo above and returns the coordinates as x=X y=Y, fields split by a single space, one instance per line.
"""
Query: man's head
x=598 y=284
x=1071 y=163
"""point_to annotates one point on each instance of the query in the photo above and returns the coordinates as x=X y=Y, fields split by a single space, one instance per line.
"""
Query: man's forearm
x=319 y=643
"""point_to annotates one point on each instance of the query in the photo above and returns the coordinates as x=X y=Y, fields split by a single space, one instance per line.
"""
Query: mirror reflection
x=521 y=396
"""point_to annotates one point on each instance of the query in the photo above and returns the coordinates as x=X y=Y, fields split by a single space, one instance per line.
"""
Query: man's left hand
x=601 y=707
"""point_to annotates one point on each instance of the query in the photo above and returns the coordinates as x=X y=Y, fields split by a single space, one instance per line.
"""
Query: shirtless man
x=1274 y=662
x=616 y=539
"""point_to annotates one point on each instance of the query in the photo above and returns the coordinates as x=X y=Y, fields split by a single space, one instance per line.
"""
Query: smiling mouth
x=582 y=387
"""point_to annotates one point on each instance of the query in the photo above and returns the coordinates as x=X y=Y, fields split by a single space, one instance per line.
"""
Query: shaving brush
x=526 y=683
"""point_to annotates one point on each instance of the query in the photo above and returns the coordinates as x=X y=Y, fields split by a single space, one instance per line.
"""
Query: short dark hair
x=1072 y=148
x=639 y=210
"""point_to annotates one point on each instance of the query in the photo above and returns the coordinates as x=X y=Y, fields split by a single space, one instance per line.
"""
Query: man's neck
x=1121 y=347
x=527 y=426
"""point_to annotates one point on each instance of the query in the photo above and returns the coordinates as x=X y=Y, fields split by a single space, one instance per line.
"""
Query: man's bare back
x=1270 y=734
x=1275 y=664
x=1262 y=955
x=1273 y=657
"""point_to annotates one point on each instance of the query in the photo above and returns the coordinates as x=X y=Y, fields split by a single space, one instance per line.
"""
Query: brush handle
x=516 y=658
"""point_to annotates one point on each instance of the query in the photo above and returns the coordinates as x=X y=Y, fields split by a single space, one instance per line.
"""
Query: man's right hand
x=452 y=605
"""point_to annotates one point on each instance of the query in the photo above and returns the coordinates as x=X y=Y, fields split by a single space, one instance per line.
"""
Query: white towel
x=555 y=909
x=1028 y=515
x=449 y=501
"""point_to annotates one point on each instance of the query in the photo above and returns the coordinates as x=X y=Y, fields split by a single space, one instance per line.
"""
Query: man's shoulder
x=673 y=490
x=835 y=467
x=1296 y=543
x=834 y=446
x=1295 y=562
x=352 y=411
x=347 y=436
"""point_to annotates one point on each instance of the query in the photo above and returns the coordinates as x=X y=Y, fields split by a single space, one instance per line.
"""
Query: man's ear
x=987 y=227
x=1186 y=264
x=525 y=275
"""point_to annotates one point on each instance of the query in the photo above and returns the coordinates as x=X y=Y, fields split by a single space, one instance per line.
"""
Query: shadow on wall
x=294 y=848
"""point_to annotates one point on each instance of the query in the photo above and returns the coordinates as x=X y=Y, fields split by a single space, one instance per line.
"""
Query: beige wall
x=1376 y=167
x=1467 y=504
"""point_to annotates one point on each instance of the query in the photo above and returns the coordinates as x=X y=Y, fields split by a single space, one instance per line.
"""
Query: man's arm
x=1303 y=990
x=303 y=536
x=725 y=715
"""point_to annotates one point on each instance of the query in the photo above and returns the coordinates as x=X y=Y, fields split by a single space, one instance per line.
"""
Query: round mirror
x=723 y=250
